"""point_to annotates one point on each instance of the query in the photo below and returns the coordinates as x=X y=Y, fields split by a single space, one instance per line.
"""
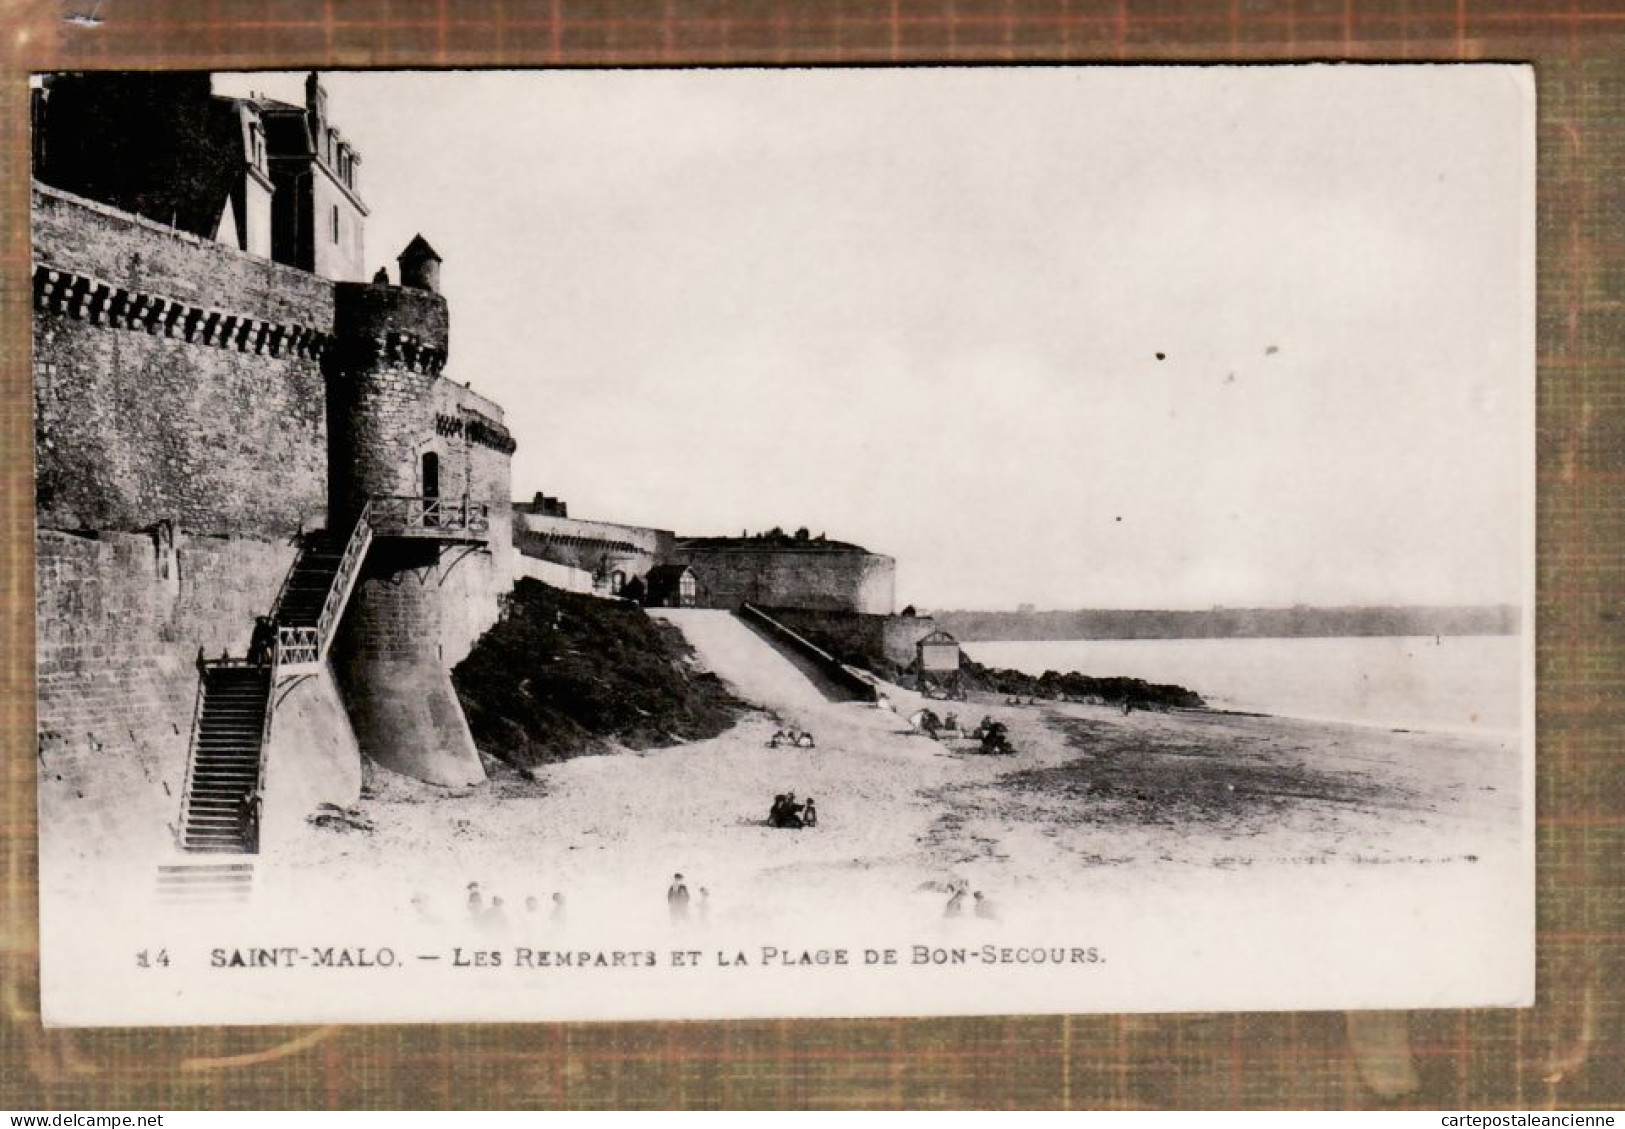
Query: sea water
x=1454 y=683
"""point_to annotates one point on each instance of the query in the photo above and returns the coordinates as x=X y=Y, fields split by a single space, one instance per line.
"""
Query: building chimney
x=316 y=107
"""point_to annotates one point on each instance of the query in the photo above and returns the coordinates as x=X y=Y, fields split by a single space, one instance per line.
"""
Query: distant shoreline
x=1230 y=623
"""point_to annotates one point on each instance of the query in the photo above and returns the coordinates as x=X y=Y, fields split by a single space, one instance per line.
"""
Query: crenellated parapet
x=402 y=350
x=392 y=325
x=476 y=429
x=111 y=305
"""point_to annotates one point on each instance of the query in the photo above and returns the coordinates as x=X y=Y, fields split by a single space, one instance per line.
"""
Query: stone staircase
x=223 y=775
x=221 y=800
x=205 y=883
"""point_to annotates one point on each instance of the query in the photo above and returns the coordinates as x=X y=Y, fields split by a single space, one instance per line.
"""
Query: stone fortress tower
x=269 y=524
x=428 y=500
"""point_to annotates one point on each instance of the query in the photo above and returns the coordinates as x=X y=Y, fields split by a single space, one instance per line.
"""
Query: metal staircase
x=237 y=698
x=314 y=595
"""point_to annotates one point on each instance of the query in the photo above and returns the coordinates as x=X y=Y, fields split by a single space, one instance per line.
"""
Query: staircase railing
x=405 y=514
x=191 y=753
x=338 y=594
x=256 y=800
x=298 y=646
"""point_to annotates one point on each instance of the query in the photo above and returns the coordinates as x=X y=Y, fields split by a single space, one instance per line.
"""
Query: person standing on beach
x=677 y=898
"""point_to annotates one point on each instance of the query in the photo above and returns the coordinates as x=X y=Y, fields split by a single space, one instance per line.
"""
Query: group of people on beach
x=786 y=812
x=492 y=914
x=980 y=905
x=994 y=735
x=799 y=738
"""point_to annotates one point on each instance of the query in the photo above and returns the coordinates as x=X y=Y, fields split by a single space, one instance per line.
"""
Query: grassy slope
x=563 y=675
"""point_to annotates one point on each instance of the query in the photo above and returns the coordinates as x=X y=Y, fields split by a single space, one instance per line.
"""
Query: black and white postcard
x=783 y=542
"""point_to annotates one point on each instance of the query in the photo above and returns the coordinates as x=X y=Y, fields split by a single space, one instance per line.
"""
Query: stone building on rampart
x=777 y=569
x=608 y=556
x=268 y=523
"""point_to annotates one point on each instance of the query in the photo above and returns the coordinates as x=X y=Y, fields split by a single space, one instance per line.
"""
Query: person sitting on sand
x=924 y=721
x=804 y=741
x=779 y=737
x=809 y=814
x=776 y=813
x=956 y=904
x=995 y=738
x=789 y=812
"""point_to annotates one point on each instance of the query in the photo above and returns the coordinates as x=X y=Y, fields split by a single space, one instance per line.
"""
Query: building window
x=335 y=223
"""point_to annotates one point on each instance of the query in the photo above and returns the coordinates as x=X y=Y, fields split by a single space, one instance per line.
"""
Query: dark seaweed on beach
x=1072 y=686
x=1131 y=776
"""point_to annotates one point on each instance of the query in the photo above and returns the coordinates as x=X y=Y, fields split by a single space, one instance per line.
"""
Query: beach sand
x=1151 y=861
x=1092 y=797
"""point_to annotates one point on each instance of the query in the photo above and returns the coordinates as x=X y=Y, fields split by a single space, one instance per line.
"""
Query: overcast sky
x=923 y=310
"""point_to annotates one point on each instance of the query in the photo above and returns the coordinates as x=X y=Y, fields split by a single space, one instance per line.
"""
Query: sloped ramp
x=756 y=670
x=837 y=681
